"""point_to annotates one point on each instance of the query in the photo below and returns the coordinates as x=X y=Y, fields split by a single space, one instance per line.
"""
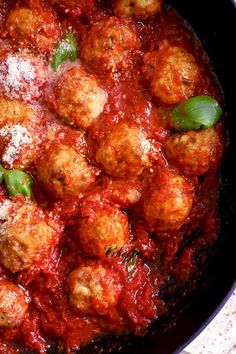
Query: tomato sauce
x=164 y=255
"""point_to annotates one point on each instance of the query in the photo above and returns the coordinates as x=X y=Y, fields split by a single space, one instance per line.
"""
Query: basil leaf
x=65 y=50
x=1 y=174
x=18 y=182
x=195 y=113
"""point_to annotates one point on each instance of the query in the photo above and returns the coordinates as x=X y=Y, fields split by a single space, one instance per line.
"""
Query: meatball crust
x=79 y=99
x=13 y=304
x=15 y=112
x=31 y=26
x=21 y=133
x=168 y=202
x=109 y=45
x=102 y=229
x=64 y=172
x=93 y=289
x=26 y=237
x=20 y=153
x=137 y=8
x=193 y=152
x=172 y=72
x=125 y=151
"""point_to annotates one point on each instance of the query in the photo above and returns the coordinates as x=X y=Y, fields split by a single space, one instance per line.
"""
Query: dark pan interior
x=215 y=24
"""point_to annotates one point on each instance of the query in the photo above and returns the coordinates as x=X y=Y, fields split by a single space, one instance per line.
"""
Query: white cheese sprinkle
x=18 y=136
x=17 y=78
x=4 y=209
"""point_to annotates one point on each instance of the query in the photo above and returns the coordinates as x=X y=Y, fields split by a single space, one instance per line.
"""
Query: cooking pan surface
x=215 y=26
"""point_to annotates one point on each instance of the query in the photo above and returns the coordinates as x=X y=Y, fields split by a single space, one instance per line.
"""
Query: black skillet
x=215 y=24
x=214 y=21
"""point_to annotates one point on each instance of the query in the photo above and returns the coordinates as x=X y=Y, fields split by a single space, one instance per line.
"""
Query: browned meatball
x=104 y=228
x=168 y=202
x=6 y=206
x=21 y=133
x=125 y=151
x=109 y=44
x=20 y=146
x=193 y=152
x=26 y=237
x=13 y=304
x=33 y=26
x=64 y=172
x=93 y=289
x=172 y=72
x=16 y=112
x=138 y=8
x=79 y=99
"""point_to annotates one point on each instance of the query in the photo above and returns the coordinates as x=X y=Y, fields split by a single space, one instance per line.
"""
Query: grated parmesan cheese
x=18 y=78
x=4 y=209
x=18 y=136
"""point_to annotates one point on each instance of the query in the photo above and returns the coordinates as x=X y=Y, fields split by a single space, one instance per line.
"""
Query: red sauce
x=165 y=255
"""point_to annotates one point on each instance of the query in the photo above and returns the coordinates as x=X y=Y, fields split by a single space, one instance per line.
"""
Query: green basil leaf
x=1 y=173
x=195 y=113
x=65 y=50
x=18 y=182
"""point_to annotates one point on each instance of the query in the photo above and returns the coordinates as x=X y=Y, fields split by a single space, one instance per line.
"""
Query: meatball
x=13 y=304
x=109 y=44
x=79 y=99
x=173 y=73
x=20 y=143
x=26 y=237
x=64 y=172
x=125 y=151
x=193 y=152
x=138 y=8
x=15 y=112
x=6 y=206
x=31 y=26
x=22 y=76
x=102 y=229
x=168 y=202
x=93 y=289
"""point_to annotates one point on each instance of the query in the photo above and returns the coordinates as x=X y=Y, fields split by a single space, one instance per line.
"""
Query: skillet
x=215 y=24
